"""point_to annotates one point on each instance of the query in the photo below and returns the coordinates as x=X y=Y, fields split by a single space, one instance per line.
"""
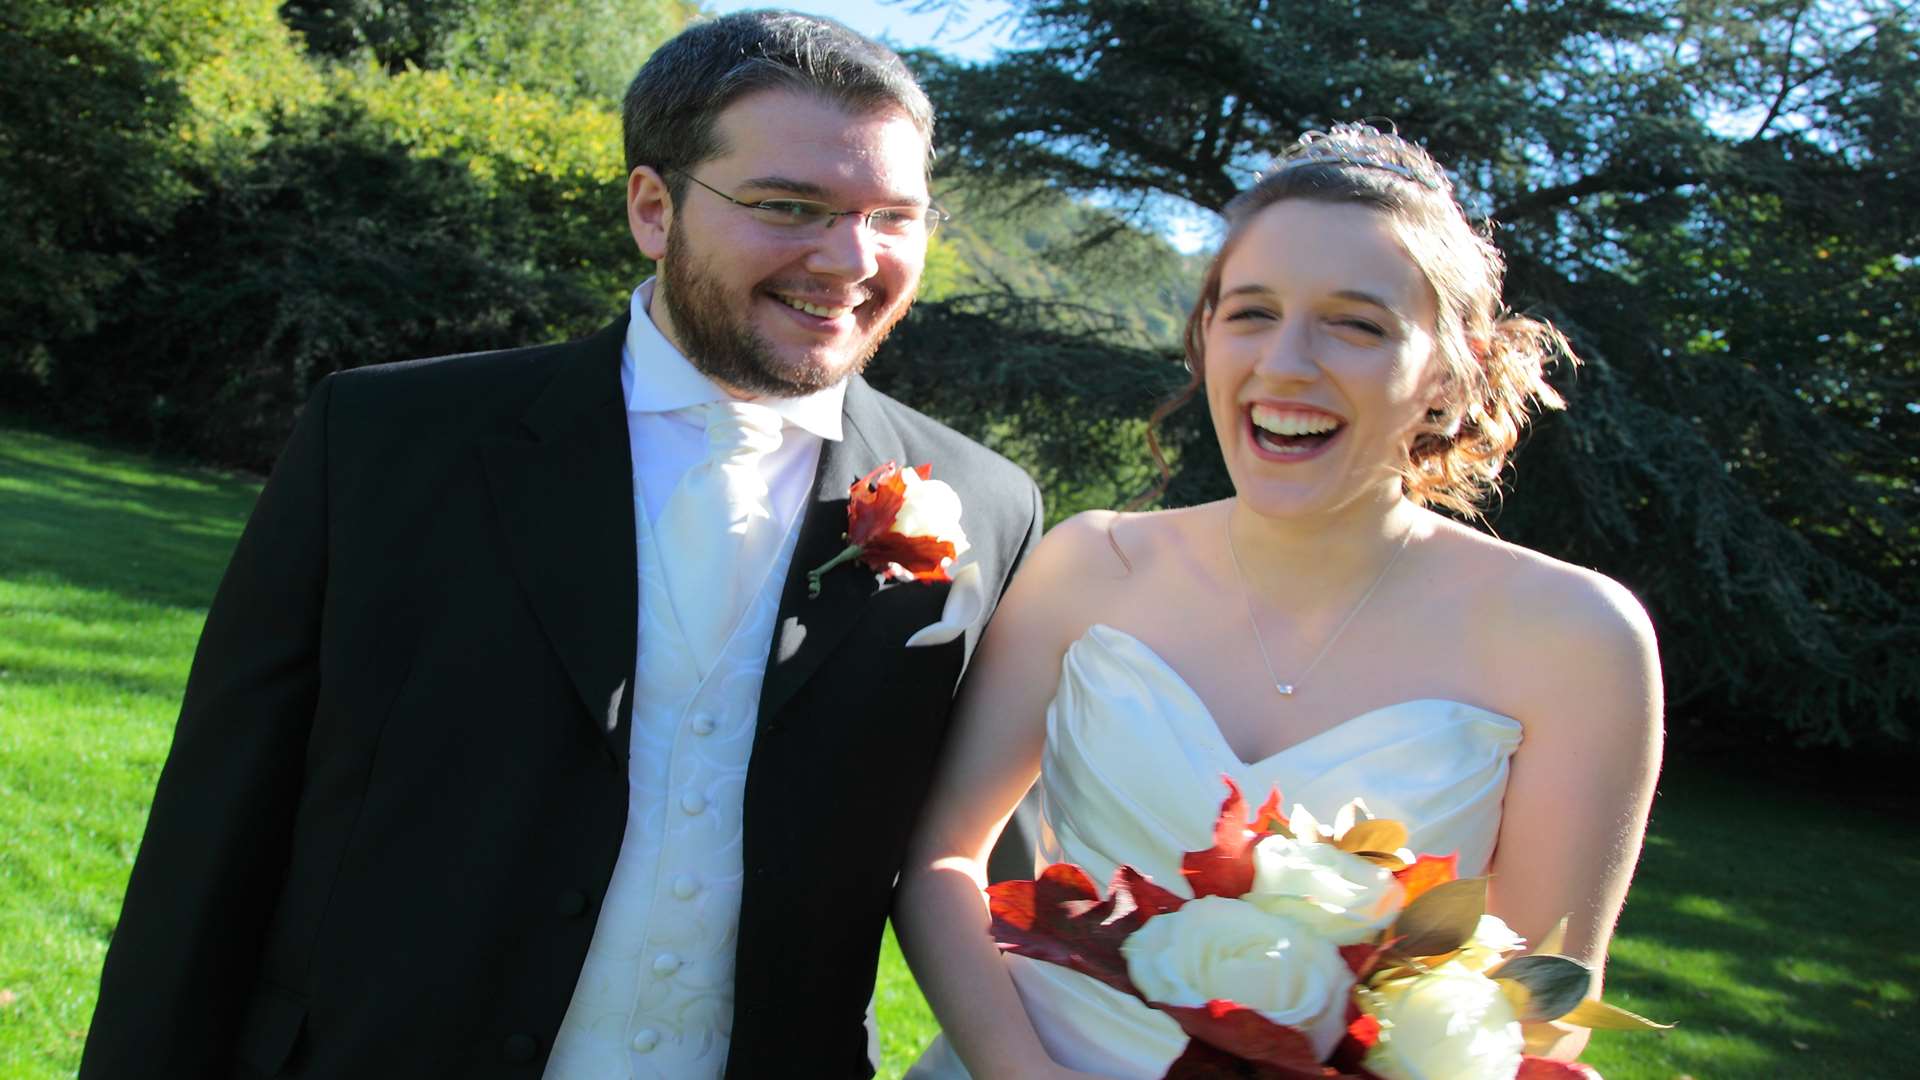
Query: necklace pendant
x=1286 y=689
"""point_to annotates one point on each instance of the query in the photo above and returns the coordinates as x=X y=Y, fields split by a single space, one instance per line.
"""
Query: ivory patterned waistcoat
x=655 y=996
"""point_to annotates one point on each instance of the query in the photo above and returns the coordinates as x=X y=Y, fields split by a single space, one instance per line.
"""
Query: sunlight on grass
x=106 y=564
x=906 y=1024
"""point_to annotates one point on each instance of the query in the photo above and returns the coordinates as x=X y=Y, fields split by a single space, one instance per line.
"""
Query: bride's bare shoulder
x=1112 y=544
x=1528 y=591
x=1550 y=625
x=1102 y=566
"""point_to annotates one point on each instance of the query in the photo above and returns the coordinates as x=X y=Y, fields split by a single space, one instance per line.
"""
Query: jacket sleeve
x=185 y=954
x=1012 y=856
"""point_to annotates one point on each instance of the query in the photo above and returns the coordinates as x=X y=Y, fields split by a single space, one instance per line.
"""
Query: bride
x=1324 y=630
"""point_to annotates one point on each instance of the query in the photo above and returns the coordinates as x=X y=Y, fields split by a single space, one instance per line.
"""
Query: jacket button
x=571 y=903
x=519 y=1048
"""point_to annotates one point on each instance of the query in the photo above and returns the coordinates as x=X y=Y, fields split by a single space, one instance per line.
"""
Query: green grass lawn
x=1766 y=918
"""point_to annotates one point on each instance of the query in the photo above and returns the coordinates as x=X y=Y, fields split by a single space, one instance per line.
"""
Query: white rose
x=1492 y=939
x=1217 y=947
x=1452 y=1023
x=1341 y=896
x=931 y=508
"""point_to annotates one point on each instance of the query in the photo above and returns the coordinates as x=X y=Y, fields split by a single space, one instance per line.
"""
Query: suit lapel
x=563 y=496
x=808 y=628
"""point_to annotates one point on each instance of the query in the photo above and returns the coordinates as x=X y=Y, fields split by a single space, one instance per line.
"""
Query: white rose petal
x=931 y=508
x=1450 y=1024
x=1341 y=896
x=1492 y=939
x=1350 y=815
x=1218 y=947
x=1305 y=826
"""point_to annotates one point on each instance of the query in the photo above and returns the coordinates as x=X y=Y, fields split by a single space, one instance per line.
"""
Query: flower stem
x=851 y=553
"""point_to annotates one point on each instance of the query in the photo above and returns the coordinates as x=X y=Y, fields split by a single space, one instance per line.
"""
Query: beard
x=721 y=344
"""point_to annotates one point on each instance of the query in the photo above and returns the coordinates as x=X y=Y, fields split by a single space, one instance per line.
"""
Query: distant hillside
x=1139 y=279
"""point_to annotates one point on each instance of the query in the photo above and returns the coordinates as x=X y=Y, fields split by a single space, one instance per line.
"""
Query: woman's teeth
x=1293 y=421
x=1284 y=431
x=816 y=310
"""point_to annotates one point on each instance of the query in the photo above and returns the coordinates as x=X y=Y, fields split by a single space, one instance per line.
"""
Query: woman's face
x=1319 y=358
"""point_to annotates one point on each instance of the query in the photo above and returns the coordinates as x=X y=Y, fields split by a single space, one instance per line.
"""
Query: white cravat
x=718 y=531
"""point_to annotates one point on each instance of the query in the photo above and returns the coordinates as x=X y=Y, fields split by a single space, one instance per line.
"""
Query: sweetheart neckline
x=1213 y=724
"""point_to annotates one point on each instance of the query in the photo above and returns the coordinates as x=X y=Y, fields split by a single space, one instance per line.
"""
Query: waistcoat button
x=666 y=964
x=645 y=1040
x=519 y=1048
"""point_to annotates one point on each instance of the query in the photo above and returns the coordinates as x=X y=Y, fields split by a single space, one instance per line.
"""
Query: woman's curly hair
x=1492 y=359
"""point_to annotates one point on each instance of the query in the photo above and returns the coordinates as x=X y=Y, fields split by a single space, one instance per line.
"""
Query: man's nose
x=847 y=249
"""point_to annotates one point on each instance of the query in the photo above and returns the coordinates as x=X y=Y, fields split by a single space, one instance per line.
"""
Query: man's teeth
x=814 y=309
x=1292 y=422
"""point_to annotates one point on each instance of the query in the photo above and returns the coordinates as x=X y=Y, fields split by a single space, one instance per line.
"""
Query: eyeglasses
x=803 y=217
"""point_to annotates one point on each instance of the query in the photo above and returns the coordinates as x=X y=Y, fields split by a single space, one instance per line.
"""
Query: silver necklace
x=1286 y=689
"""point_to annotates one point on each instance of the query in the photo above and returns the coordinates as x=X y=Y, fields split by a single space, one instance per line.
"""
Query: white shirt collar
x=671 y=382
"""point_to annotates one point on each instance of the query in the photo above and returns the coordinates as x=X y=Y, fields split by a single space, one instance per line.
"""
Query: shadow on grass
x=115 y=522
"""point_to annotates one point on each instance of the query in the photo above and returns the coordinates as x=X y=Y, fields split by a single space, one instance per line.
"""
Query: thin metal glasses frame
x=813 y=215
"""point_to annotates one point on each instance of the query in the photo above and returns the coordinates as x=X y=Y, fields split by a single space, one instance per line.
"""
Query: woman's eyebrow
x=1357 y=295
x=1364 y=297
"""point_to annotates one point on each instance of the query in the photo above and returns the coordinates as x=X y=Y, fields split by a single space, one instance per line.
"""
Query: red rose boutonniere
x=902 y=524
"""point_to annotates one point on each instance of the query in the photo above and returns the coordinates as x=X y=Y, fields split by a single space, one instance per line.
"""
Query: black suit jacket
x=398 y=784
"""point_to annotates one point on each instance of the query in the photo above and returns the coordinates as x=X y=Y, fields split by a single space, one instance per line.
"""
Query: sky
x=970 y=34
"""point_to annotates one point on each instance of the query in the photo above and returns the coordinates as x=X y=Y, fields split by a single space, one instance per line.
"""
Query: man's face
x=765 y=309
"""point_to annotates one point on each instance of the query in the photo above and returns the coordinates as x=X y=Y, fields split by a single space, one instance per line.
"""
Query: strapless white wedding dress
x=1131 y=774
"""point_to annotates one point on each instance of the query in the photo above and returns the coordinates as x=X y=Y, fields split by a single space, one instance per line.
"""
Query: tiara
x=1317 y=156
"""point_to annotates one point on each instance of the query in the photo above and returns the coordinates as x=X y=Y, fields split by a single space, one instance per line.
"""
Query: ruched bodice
x=1131 y=774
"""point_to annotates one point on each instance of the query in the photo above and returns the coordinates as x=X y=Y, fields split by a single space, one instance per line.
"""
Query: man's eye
x=789 y=212
x=895 y=219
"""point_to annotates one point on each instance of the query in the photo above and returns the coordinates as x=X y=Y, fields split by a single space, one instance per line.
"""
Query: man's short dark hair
x=672 y=109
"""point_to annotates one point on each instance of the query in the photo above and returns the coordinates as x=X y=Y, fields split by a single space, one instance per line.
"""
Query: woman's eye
x=1363 y=326
x=1248 y=313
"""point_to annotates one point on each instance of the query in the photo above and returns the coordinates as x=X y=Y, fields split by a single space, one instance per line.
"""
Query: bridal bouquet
x=1312 y=950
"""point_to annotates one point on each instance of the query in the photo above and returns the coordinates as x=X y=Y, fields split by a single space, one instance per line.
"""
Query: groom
x=515 y=745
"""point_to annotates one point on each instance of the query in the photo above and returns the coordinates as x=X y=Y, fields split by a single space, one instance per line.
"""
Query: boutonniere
x=902 y=524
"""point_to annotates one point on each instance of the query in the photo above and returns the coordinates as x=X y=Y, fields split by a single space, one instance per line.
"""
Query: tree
x=84 y=171
x=270 y=281
x=583 y=48
x=210 y=218
x=1718 y=202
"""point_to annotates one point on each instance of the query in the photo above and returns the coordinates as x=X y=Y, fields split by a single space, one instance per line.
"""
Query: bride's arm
x=1583 y=672
x=991 y=756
